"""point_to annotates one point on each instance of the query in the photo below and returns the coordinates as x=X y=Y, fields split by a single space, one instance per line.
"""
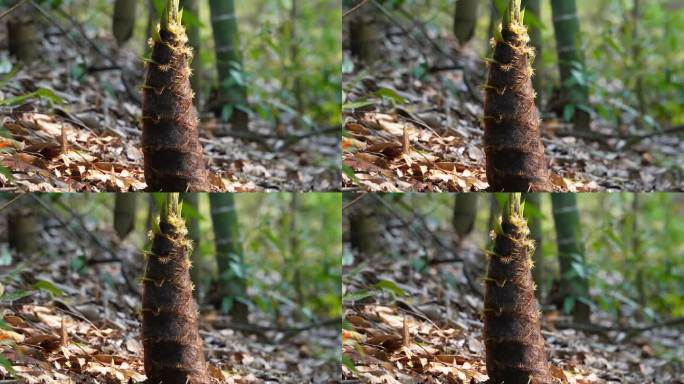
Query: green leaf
x=7 y=364
x=77 y=263
x=586 y=108
x=226 y=304
x=6 y=79
x=237 y=269
x=6 y=172
x=4 y=325
x=226 y=112
x=349 y=363
x=158 y=6
x=579 y=269
x=347 y=170
x=190 y=212
x=419 y=71
x=533 y=21
x=532 y=211
x=389 y=285
x=191 y=20
x=78 y=71
x=42 y=93
x=48 y=286
x=613 y=43
x=500 y=6
x=15 y=295
x=568 y=112
x=418 y=263
x=579 y=77
x=391 y=94
x=568 y=304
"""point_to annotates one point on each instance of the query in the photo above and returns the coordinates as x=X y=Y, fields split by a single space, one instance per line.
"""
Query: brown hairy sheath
x=171 y=340
x=513 y=340
x=170 y=140
x=513 y=146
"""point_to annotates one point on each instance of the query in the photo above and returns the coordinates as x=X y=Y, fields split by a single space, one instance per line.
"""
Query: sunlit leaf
x=47 y=286
x=41 y=93
x=391 y=286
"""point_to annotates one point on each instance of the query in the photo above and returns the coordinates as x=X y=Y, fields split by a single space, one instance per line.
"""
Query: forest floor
x=412 y=123
x=406 y=326
x=69 y=319
x=80 y=131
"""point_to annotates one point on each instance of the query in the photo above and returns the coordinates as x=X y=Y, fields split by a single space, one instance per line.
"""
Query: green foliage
x=13 y=275
x=40 y=93
x=384 y=94
x=270 y=72
x=270 y=240
x=659 y=64
x=650 y=241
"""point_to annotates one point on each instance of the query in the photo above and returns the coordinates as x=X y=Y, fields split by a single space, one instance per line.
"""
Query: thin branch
x=15 y=198
x=396 y=22
x=91 y=235
x=355 y=8
x=406 y=224
x=436 y=239
x=356 y=200
x=472 y=90
x=12 y=8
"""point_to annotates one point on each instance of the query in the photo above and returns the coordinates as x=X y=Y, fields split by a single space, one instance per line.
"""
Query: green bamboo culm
x=23 y=229
x=464 y=215
x=233 y=95
x=170 y=334
x=567 y=29
x=573 y=286
x=514 y=151
x=125 y=206
x=514 y=344
x=123 y=20
x=174 y=160
x=22 y=34
x=465 y=19
x=366 y=33
x=232 y=286
x=364 y=228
